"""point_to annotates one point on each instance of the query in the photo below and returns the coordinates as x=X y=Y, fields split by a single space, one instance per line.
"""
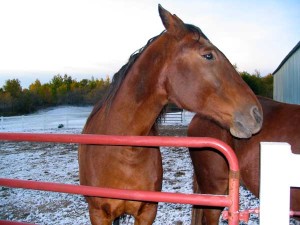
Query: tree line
x=61 y=90
x=262 y=86
x=64 y=90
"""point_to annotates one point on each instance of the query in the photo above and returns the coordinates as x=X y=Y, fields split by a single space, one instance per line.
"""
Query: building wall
x=287 y=80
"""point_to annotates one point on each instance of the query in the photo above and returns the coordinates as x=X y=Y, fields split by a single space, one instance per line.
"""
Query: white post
x=2 y=127
x=294 y=170
x=183 y=118
x=67 y=121
x=44 y=122
x=22 y=121
x=279 y=171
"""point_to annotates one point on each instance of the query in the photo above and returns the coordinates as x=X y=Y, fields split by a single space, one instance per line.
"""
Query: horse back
x=281 y=123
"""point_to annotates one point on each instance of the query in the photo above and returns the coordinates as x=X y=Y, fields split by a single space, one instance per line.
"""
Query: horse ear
x=172 y=23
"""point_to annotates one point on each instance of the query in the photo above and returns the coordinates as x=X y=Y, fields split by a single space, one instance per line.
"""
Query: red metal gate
x=231 y=200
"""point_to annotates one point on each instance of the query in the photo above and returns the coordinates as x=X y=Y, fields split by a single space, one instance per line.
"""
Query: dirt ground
x=172 y=130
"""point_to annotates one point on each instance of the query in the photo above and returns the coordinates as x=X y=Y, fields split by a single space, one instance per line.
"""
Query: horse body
x=123 y=167
x=171 y=67
x=281 y=124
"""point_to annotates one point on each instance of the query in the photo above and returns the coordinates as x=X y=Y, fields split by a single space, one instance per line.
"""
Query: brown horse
x=281 y=124
x=179 y=65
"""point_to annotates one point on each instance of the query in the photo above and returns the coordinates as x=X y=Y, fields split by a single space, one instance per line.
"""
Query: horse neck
x=130 y=116
x=137 y=104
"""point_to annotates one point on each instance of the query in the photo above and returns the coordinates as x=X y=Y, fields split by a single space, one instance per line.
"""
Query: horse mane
x=118 y=79
x=121 y=74
x=196 y=30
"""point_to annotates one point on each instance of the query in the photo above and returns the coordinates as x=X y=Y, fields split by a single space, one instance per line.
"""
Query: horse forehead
x=198 y=44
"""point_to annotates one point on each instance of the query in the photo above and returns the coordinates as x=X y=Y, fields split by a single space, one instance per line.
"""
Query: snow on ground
x=50 y=118
x=69 y=117
x=58 y=163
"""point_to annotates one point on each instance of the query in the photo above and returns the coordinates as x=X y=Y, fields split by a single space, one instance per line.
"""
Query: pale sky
x=84 y=38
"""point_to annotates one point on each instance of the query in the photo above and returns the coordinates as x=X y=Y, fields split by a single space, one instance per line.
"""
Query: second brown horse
x=179 y=65
x=281 y=124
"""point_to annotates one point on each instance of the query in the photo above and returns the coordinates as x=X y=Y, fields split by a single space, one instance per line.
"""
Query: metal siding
x=287 y=80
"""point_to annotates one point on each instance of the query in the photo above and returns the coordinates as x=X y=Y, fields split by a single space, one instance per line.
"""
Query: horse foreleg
x=98 y=217
x=202 y=215
x=212 y=178
x=197 y=211
x=146 y=215
x=104 y=212
x=211 y=215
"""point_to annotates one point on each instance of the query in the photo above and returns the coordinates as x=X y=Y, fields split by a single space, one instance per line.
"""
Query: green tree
x=83 y=83
x=260 y=85
x=56 y=82
x=27 y=102
x=252 y=81
x=6 y=103
x=67 y=80
x=268 y=86
x=13 y=87
x=60 y=90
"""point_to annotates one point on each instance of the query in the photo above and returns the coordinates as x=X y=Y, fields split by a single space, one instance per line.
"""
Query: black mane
x=196 y=30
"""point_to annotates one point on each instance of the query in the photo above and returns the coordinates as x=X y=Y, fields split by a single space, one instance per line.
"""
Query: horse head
x=198 y=77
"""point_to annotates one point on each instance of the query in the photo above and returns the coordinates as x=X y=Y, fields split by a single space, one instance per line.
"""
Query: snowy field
x=68 y=117
x=58 y=163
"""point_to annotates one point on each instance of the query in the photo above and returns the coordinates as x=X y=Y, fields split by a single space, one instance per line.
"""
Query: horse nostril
x=256 y=114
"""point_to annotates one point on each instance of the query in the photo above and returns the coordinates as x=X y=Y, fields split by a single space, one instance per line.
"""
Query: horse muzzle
x=245 y=126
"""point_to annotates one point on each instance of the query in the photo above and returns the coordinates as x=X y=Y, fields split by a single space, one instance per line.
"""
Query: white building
x=287 y=78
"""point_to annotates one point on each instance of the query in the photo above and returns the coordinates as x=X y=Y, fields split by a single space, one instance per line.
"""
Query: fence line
x=43 y=122
x=71 y=120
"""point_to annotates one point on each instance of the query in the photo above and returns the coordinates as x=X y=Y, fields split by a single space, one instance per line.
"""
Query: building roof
x=287 y=57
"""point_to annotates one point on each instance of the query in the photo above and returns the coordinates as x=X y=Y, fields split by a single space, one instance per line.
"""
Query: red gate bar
x=6 y=222
x=128 y=140
x=294 y=213
x=232 y=203
x=244 y=215
x=151 y=196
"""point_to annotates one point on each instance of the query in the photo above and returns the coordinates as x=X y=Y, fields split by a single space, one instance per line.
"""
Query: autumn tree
x=60 y=90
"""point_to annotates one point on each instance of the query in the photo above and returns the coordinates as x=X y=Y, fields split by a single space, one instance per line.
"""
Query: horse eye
x=208 y=56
